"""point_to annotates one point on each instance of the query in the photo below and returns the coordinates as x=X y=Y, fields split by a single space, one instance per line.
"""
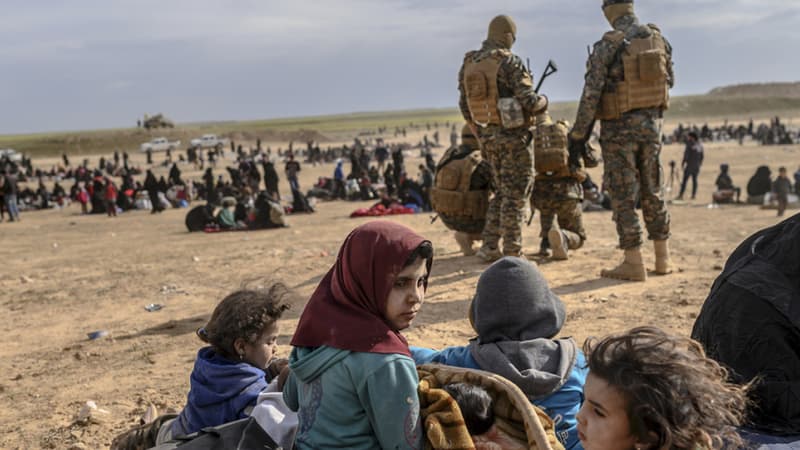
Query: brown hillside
x=789 y=89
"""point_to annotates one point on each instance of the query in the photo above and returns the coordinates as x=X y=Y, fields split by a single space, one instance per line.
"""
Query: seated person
x=353 y=382
x=477 y=409
x=759 y=185
x=726 y=191
x=750 y=323
x=650 y=390
x=517 y=317
x=226 y=218
x=231 y=373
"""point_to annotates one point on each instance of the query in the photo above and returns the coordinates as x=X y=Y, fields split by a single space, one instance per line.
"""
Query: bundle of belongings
x=385 y=207
x=514 y=422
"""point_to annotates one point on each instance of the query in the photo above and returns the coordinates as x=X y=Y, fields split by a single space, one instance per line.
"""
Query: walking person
x=692 y=160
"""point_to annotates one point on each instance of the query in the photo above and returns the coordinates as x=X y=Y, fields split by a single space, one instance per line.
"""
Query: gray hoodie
x=516 y=316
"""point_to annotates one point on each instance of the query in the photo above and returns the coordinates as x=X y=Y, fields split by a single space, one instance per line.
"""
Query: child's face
x=406 y=296
x=603 y=419
x=261 y=351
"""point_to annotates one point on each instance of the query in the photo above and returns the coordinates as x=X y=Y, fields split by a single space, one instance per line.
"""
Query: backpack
x=550 y=153
x=244 y=434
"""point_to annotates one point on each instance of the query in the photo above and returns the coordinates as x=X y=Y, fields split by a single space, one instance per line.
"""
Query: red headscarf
x=347 y=309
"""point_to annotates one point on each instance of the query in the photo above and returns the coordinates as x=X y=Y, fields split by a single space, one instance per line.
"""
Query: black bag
x=244 y=434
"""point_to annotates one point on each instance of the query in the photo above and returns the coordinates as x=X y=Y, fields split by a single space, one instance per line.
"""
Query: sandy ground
x=65 y=275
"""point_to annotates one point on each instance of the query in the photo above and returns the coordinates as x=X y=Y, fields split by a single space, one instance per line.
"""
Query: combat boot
x=562 y=241
x=631 y=268
x=488 y=254
x=663 y=261
x=464 y=243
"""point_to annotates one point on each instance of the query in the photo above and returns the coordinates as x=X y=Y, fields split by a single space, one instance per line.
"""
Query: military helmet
x=467 y=138
x=615 y=2
x=500 y=27
x=614 y=9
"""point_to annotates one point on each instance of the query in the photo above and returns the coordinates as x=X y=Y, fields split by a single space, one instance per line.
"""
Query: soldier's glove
x=576 y=148
x=590 y=159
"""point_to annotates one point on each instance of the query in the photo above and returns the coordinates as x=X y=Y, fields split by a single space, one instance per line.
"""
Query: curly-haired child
x=647 y=389
x=231 y=372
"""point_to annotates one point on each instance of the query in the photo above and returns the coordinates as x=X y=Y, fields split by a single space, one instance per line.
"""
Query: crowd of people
x=776 y=132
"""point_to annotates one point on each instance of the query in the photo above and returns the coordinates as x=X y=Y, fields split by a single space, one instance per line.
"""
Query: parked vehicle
x=209 y=141
x=160 y=144
x=11 y=154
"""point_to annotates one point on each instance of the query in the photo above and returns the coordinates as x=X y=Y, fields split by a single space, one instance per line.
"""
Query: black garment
x=750 y=323
x=398 y=164
x=175 y=175
x=761 y=182
x=271 y=179
x=151 y=185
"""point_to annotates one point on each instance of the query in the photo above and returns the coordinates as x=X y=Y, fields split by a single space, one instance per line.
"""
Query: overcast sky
x=86 y=64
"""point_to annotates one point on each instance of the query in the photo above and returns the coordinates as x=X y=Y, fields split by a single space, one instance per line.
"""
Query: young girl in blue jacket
x=353 y=382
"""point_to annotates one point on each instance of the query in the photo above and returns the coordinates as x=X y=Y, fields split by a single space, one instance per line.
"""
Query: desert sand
x=65 y=275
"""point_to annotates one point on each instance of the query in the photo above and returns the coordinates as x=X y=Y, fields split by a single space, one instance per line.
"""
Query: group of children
x=351 y=379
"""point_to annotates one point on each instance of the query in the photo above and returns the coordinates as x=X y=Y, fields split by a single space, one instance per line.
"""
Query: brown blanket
x=515 y=416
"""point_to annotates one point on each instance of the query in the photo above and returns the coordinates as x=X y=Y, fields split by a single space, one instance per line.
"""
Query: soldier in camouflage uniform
x=628 y=77
x=497 y=100
x=469 y=219
x=557 y=190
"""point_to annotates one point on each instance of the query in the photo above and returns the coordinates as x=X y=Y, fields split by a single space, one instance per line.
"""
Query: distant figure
x=271 y=180
x=725 y=189
x=426 y=182
x=797 y=181
x=692 y=160
x=10 y=192
x=149 y=153
x=292 y=168
x=759 y=185
x=781 y=188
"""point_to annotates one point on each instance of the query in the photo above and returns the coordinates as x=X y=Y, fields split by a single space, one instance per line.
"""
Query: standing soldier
x=628 y=77
x=461 y=189
x=498 y=101
x=557 y=189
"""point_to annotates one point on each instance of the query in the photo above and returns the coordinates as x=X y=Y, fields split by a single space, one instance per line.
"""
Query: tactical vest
x=480 y=84
x=645 y=85
x=450 y=194
x=550 y=151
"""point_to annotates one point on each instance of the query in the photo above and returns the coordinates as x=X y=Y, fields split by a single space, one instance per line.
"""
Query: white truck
x=160 y=144
x=209 y=141
x=11 y=154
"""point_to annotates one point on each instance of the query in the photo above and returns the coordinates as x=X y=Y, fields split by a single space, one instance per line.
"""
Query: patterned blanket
x=515 y=416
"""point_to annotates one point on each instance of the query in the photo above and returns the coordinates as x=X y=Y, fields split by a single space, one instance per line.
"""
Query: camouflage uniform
x=509 y=152
x=631 y=145
x=561 y=197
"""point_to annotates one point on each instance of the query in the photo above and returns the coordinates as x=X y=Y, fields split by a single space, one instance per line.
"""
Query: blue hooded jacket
x=220 y=391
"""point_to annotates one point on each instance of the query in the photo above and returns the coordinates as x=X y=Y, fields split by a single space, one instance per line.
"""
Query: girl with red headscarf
x=352 y=380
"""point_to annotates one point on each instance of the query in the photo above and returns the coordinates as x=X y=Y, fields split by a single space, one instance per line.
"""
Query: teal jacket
x=353 y=400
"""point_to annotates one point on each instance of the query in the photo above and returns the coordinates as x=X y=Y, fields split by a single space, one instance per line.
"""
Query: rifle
x=550 y=69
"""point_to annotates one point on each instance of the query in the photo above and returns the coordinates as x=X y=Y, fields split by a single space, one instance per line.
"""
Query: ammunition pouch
x=511 y=114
